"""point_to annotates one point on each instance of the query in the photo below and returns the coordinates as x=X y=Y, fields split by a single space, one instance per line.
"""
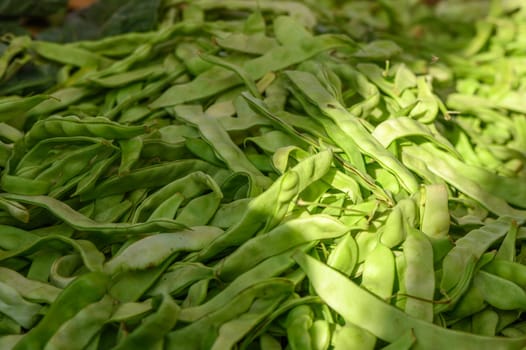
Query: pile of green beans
x=269 y=175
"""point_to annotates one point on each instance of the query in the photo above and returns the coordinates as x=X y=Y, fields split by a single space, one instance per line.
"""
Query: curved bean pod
x=160 y=247
x=379 y=271
x=275 y=59
x=351 y=336
x=153 y=327
x=386 y=322
x=299 y=321
x=344 y=257
x=77 y=332
x=13 y=305
x=284 y=237
x=234 y=330
x=198 y=334
x=85 y=290
x=499 y=292
x=331 y=108
x=80 y=222
x=29 y=289
x=268 y=268
x=472 y=245
x=150 y=176
x=91 y=257
x=55 y=126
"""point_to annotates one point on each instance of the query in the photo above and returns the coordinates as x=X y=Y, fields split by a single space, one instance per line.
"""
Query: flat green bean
x=352 y=127
x=80 y=222
x=275 y=59
x=120 y=79
x=153 y=327
x=29 y=289
x=392 y=129
x=507 y=248
x=192 y=185
x=16 y=210
x=200 y=210
x=512 y=271
x=419 y=275
x=266 y=269
x=384 y=321
x=212 y=131
x=150 y=176
x=472 y=245
x=13 y=305
x=471 y=302
x=77 y=332
x=320 y=333
x=180 y=276
x=344 y=257
x=351 y=336
x=234 y=330
x=198 y=334
x=12 y=107
x=299 y=321
x=161 y=246
x=130 y=153
x=132 y=310
x=379 y=272
x=59 y=99
x=68 y=55
x=130 y=286
x=274 y=201
x=197 y=294
x=485 y=322
x=83 y=291
x=434 y=221
x=267 y=342
x=280 y=239
x=73 y=126
x=394 y=230
x=405 y=342
x=443 y=167
x=256 y=44
x=499 y=292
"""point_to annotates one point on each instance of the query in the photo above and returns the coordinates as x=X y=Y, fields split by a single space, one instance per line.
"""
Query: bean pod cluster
x=269 y=175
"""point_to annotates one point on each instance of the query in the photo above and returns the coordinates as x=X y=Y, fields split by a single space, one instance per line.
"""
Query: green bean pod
x=271 y=267
x=344 y=257
x=472 y=245
x=352 y=127
x=154 y=326
x=29 y=289
x=284 y=237
x=485 y=322
x=299 y=321
x=14 y=306
x=379 y=272
x=499 y=292
x=419 y=275
x=86 y=289
x=160 y=247
x=233 y=331
x=351 y=336
x=77 y=332
x=76 y=220
x=197 y=334
x=55 y=126
x=386 y=322
x=511 y=271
